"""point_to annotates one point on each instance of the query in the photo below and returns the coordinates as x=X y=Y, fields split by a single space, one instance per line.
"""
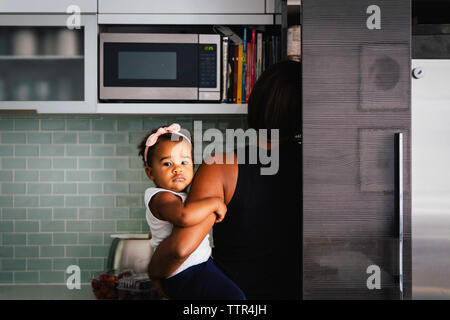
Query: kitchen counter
x=45 y=292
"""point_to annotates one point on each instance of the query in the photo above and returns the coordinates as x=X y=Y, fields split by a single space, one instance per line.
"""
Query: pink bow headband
x=153 y=138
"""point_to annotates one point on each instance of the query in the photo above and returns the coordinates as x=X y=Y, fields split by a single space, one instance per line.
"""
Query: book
x=264 y=59
x=248 y=81
x=269 y=52
x=236 y=70
x=230 y=72
x=244 y=64
x=239 y=77
x=294 y=43
x=253 y=60
x=277 y=49
x=259 y=46
x=224 y=68
x=255 y=56
x=274 y=49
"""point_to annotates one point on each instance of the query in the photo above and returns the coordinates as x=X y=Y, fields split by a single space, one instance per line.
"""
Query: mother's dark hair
x=275 y=101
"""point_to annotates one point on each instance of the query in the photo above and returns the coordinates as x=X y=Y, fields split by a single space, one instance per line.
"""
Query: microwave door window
x=161 y=65
x=147 y=65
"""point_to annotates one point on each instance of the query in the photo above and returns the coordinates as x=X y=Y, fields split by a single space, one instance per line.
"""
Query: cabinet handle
x=399 y=204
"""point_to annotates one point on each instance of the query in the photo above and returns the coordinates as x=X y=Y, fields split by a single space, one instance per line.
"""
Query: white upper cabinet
x=46 y=66
x=47 y=6
x=182 y=6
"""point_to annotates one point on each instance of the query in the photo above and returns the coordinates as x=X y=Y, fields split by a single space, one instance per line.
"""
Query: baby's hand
x=221 y=209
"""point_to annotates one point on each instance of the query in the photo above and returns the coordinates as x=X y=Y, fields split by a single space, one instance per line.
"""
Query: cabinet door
x=181 y=6
x=356 y=98
x=47 y=6
x=47 y=66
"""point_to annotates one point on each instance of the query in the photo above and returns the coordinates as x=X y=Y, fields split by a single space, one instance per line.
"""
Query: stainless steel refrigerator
x=431 y=179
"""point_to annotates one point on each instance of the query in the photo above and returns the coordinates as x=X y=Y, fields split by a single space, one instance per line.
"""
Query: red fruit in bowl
x=110 y=284
x=104 y=285
x=104 y=277
x=108 y=278
x=98 y=294
x=95 y=284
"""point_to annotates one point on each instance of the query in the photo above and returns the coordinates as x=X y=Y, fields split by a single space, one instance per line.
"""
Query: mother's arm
x=211 y=180
x=174 y=250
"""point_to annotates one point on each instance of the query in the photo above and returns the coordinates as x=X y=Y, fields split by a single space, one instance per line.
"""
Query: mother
x=259 y=243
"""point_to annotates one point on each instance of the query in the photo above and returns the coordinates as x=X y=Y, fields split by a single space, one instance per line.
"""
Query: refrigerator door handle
x=399 y=204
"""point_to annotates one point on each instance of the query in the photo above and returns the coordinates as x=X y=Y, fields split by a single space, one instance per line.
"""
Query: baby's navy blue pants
x=204 y=281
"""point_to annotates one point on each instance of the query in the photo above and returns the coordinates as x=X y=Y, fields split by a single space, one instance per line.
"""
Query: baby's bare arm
x=169 y=207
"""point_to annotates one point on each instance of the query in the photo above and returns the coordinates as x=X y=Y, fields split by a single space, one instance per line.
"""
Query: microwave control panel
x=208 y=65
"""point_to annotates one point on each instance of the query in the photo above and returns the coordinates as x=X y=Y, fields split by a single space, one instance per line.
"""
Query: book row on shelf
x=244 y=62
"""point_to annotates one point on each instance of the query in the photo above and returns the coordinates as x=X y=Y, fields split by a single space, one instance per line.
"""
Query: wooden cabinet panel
x=356 y=96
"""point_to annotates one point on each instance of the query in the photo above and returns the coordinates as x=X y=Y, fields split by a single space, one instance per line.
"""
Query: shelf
x=11 y=57
x=171 y=108
x=125 y=108
x=196 y=19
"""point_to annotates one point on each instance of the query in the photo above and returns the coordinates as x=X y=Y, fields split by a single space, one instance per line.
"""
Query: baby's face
x=172 y=166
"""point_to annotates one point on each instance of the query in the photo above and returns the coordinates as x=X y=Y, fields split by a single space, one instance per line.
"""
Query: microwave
x=151 y=66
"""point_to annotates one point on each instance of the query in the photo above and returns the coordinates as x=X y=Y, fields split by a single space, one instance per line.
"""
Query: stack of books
x=244 y=62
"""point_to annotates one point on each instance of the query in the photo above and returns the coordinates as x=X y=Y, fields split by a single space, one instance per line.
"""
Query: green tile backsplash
x=67 y=183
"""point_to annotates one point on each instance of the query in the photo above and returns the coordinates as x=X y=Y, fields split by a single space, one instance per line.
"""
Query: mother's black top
x=259 y=243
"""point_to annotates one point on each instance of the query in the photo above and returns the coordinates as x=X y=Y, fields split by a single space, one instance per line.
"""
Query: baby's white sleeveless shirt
x=161 y=229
